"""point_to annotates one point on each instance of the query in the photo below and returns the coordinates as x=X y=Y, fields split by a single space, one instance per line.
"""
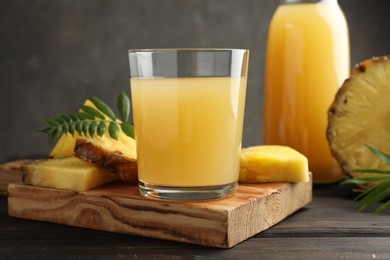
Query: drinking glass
x=188 y=111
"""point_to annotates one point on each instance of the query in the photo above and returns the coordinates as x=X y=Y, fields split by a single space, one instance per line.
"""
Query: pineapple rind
x=124 y=144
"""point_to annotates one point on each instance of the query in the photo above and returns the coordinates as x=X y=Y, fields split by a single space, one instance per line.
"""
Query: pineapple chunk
x=68 y=173
x=273 y=163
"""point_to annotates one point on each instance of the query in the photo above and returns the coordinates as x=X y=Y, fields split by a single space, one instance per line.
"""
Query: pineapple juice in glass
x=188 y=109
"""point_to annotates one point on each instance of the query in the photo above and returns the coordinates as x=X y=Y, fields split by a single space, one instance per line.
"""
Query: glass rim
x=185 y=49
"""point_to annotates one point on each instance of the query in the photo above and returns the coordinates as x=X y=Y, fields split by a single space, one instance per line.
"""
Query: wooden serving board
x=119 y=207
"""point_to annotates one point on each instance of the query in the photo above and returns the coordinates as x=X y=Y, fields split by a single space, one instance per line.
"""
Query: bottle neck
x=285 y=2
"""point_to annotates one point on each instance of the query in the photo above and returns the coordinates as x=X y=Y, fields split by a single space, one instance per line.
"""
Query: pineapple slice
x=273 y=163
x=359 y=116
x=68 y=173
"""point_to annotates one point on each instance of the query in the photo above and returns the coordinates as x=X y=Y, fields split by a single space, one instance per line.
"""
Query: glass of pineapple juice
x=188 y=111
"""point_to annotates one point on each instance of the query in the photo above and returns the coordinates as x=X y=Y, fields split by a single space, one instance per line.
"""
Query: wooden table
x=328 y=228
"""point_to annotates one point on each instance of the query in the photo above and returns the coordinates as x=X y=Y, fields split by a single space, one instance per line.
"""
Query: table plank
x=258 y=248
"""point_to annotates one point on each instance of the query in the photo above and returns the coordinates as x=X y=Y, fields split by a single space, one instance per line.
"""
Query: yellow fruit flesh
x=64 y=146
x=272 y=163
x=68 y=173
x=359 y=117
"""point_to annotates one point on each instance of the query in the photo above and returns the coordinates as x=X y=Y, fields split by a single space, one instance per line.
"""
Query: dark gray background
x=54 y=54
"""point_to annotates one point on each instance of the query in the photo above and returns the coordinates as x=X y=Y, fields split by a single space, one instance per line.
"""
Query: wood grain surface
x=10 y=172
x=119 y=207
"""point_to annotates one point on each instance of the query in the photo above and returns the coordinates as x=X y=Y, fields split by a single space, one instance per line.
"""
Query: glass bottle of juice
x=307 y=61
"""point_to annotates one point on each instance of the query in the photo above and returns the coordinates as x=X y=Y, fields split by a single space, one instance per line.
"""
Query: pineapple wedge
x=66 y=144
x=119 y=156
x=359 y=116
x=273 y=163
x=68 y=173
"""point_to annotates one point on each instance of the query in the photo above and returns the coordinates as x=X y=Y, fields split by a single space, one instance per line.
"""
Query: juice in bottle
x=307 y=61
x=188 y=130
